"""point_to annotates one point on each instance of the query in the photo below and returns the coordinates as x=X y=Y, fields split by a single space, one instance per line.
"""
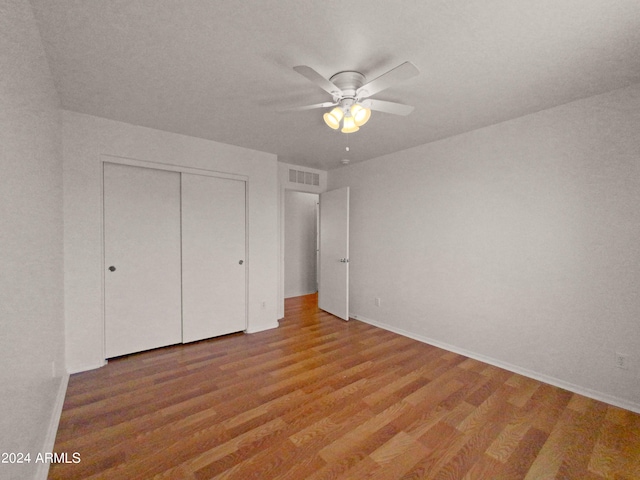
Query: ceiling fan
x=351 y=95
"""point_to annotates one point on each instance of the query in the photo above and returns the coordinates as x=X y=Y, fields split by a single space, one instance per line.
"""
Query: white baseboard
x=587 y=392
x=50 y=439
x=84 y=368
x=262 y=328
x=299 y=294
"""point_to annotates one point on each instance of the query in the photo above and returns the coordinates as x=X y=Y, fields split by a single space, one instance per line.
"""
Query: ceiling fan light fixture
x=349 y=125
x=351 y=92
x=332 y=118
x=360 y=114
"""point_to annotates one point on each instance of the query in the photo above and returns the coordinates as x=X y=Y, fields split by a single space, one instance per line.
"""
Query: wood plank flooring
x=319 y=398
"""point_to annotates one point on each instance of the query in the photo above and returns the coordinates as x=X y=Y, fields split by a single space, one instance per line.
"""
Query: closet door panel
x=213 y=256
x=142 y=259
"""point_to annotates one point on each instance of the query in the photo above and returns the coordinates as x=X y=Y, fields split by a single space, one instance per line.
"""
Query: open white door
x=333 y=287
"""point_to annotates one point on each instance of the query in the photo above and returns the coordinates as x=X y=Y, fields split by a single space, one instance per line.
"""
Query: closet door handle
x=112 y=268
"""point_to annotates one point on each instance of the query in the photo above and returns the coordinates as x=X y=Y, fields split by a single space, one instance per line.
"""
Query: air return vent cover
x=306 y=178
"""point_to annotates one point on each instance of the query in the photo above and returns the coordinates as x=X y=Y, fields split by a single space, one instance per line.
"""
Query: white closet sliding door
x=142 y=259
x=213 y=257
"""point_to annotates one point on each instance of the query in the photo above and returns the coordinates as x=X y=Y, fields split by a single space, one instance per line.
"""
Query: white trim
x=169 y=167
x=103 y=302
x=587 y=392
x=262 y=328
x=281 y=198
x=43 y=468
x=85 y=368
x=247 y=252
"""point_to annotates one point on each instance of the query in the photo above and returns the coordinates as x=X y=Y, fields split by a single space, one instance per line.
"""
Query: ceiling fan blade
x=387 y=107
x=318 y=79
x=396 y=75
x=309 y=107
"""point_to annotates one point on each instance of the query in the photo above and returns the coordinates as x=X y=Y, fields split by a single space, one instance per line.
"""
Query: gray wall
x=518 y=243
x=31 y=252
x=300 y=243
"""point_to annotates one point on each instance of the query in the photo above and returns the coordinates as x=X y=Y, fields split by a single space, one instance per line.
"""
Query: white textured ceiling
x=220 y=69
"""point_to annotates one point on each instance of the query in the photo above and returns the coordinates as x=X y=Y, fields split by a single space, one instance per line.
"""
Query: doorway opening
x=330 y=214
x=300 y=243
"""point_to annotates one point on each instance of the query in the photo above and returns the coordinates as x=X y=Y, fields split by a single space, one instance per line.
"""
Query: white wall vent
x=306 y=178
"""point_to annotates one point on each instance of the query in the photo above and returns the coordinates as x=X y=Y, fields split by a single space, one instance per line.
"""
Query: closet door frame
x=104 y=158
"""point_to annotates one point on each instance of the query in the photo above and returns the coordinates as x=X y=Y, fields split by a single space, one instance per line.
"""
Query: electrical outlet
x=622 y=361
x=376 y=301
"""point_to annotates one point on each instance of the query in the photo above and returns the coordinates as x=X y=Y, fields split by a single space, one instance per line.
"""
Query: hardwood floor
x=321 y=398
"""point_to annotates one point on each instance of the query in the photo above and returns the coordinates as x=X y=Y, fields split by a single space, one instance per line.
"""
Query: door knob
x=241 y=262
x=344 y=260
x=112 y=268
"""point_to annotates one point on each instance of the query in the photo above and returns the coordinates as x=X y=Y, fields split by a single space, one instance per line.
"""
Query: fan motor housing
x=348 y=82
